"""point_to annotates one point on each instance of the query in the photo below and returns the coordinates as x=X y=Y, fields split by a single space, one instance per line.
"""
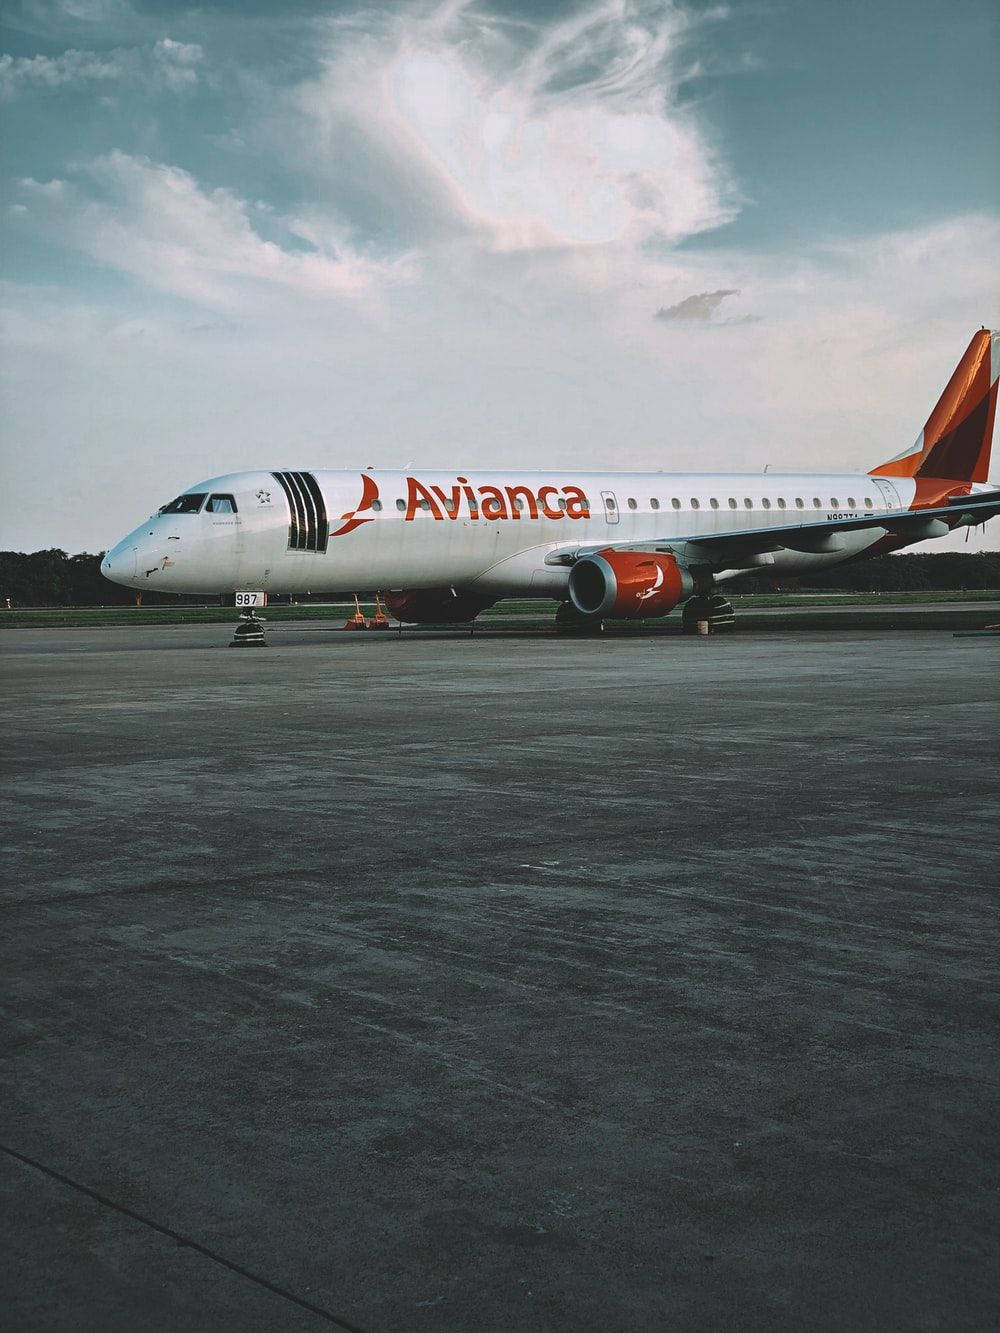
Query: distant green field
x=539 y=611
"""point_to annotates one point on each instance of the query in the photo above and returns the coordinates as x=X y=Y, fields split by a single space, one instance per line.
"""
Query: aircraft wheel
x=570 y=621
x=714 y=608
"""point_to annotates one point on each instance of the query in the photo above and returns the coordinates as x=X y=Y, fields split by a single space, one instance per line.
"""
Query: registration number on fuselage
x=842 y=513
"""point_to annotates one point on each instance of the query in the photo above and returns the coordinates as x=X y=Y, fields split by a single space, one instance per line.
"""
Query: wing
x=730 y=550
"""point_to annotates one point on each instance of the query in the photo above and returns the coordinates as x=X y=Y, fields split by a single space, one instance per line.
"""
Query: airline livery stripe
x=307 y=525
x=307 y=522
x=293 y=525
x=322 y=528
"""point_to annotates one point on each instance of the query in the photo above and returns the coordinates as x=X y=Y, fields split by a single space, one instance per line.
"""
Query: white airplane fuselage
x=486 y=532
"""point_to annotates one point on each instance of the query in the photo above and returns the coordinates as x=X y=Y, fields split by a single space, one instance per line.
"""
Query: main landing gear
x=711 y=609
x=571 y=621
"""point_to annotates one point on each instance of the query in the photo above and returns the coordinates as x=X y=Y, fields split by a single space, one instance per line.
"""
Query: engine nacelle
x=628 y=585
x=436 y=606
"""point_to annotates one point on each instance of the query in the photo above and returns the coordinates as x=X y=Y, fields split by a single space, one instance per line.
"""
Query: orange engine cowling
x=628 y=584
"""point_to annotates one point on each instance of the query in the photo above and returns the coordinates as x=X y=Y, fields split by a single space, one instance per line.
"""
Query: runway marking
x=181 y=1239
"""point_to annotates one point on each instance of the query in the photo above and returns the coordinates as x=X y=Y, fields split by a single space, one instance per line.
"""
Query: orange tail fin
x=955 y=444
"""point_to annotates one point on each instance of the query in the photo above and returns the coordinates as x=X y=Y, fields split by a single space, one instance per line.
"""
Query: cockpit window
x=220 y=504
x=184 y=504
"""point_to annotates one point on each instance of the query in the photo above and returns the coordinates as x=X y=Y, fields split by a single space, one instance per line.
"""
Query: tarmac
x=499 y=982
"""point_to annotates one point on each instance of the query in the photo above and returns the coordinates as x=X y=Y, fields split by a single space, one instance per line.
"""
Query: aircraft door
x=610 y=506
x=888 y=492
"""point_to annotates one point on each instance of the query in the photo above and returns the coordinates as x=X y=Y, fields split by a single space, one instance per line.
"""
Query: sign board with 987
x=251 y=599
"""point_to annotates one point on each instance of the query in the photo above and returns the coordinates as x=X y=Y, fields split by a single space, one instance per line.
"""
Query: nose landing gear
x=249 y=633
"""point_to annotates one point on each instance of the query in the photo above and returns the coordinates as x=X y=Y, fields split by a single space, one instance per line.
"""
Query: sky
x=622 y=234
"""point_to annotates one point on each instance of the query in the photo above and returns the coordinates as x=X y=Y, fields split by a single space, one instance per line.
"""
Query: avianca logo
x=486 y=502
x=654 y=587
x=369 y=493
x=494 y=502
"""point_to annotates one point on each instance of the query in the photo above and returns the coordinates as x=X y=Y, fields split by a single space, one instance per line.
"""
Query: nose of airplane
x=119 y=563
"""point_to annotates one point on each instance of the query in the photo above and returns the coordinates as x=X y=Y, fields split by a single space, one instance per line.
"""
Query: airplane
x=443 y=546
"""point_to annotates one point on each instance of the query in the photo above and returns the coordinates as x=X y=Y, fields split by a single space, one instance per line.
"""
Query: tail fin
x=955 y=443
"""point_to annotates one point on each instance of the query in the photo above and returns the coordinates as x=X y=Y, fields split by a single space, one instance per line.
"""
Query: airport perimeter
x=500 y=982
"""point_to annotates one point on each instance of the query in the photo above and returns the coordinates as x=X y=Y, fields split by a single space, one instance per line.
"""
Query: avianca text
x=494 y=502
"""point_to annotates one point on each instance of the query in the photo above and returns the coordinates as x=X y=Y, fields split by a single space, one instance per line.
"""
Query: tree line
x=53 y=578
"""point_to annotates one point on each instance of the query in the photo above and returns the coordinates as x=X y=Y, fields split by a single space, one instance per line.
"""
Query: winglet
x=955 y=444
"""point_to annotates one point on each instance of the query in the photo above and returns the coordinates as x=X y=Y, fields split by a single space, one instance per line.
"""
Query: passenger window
x=732 y=503
x=834 y=502
x=676 y=503
x=632 y=504
x=609 y=502
x=425 y=504
x=654 y=504
x=851 y=502
x=400 y=505
x=868 y=502
x=781 y=504
x=817 y=502
x=799 y=502
x=377 y=506
x=714 y=502
x=694 y=503
x=766 y=502
x=184 y=504
x=747 y=502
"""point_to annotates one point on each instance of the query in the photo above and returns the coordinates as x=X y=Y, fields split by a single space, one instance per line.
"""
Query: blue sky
x=332 y=235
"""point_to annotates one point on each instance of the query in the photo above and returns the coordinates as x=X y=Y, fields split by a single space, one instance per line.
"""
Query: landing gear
x=249 y=632
x=571 y=621
x=712 y=608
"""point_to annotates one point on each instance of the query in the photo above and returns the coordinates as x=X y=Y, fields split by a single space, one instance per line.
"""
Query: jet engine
x=628 y=585
x=436 y=606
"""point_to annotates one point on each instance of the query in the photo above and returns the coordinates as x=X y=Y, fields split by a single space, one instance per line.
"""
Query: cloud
x=48 y=72
x=447 y=243
x=155 y=222
x=701 y=306
x=450 y=121
x=169 y=64
x=177 y=62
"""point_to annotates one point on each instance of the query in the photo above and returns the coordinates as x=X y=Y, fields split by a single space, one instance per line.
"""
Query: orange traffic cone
x=357 y=621
x=379 y=620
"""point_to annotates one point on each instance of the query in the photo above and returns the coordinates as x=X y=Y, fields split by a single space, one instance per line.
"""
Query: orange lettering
x=416 y=494
x=577 y=504
x=450 y=502
x=473 y=503
x=546 y=510
x=494 y=503
x=515 y=492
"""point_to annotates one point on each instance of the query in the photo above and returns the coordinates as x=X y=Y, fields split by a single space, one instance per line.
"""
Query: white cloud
x=526 y=185
x=178 y=62
x=72 y=67
x=169 y=64
x=155 y=223
x=529 y=136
